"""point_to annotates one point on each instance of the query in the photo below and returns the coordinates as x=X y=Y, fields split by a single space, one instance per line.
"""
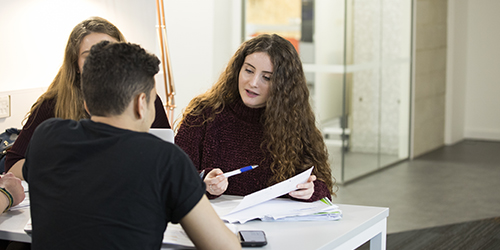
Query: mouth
x=251 y=93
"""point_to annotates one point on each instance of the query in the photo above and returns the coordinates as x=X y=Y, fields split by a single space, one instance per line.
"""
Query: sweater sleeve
x=18 y=150
x=320 y=191
x=161 y=120
x=190 y=139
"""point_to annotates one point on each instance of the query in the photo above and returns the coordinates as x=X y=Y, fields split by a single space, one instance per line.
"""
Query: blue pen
x=239 y=171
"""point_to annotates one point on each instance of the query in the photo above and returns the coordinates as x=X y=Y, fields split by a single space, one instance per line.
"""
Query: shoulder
x=42 y=111
x=52 y=130
x=158 y=153
x=47 y=105
x=57 y=125
x=153 y=143
x=199 y=115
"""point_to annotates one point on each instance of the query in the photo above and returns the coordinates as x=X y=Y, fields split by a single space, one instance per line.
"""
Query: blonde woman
x=63 y=98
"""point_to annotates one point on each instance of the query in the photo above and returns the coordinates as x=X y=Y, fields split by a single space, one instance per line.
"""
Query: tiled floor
x=357 y=164
x=452 y=184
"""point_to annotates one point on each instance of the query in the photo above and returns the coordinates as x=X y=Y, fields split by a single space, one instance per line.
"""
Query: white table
x=359 y=225
x=12 y=225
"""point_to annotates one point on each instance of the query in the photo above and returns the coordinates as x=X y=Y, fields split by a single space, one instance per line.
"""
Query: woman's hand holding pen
x=305 y=190
x=216 y=182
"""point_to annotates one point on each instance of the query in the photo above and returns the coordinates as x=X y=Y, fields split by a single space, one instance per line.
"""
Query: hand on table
x=13 y=184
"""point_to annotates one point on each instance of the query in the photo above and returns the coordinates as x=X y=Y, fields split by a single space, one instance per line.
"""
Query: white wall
x=190 y=28
x=21 y=102
x=482 y=109
x=456 y=71
x=473 y=83
x=200 y=35
x=35 y=32
x=201 y=39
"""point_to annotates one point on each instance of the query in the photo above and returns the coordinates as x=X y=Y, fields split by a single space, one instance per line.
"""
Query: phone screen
x=252 y=238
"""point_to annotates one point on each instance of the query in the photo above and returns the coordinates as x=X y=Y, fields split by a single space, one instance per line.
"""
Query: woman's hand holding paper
x=305 y=190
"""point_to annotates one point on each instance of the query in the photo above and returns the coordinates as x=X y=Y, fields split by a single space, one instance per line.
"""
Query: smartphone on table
x=252 y=238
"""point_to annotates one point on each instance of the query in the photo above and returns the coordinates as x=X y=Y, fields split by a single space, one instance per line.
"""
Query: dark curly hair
x=290 y=132
x=114 y=73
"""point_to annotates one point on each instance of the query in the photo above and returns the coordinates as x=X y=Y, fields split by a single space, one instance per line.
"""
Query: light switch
x=5 y=106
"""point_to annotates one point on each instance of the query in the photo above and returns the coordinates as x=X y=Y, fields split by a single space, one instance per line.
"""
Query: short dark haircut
x=113 y=74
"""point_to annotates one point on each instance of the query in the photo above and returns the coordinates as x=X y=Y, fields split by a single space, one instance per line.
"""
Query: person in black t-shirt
x=105 y=183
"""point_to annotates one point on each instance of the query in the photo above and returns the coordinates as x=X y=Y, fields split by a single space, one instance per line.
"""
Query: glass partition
x=356 y=55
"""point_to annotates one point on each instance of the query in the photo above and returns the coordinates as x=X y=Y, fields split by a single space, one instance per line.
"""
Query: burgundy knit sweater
x=231 y=141
x=46 y=111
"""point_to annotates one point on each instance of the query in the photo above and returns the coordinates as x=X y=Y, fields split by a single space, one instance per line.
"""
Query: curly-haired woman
x=257 y=113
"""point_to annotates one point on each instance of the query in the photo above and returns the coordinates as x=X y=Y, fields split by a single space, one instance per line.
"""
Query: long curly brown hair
x=65 y=88
x=290 y=132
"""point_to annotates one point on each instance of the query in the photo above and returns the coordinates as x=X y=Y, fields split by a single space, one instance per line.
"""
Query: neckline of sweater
x=242 y=112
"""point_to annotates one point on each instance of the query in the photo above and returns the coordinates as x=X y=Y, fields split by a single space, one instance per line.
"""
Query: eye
x=249 y=71
x=267 y=78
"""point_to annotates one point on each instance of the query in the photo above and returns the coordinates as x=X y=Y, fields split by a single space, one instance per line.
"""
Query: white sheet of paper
x=176 y=235
x=273 y=191
x=223 y=207
x=275 y=209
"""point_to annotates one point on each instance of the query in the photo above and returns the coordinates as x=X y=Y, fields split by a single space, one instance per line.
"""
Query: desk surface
x=280 y=235
x=318 y=234
x=12 y=225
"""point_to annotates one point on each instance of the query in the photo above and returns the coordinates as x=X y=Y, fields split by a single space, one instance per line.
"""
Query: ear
x=140 y=105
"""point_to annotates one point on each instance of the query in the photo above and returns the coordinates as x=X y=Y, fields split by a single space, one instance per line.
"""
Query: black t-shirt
x=94 y=186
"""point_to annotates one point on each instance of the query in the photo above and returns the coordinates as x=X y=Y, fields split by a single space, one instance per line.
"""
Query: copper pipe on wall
x=165 y=59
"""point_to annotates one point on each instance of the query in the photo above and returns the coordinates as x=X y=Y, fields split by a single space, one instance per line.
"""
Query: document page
x=273 y=191
x=276 y=209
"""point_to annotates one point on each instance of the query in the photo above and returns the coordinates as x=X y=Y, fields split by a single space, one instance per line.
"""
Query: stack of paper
x=282 y=210
x=329 y=212
x=265 y=206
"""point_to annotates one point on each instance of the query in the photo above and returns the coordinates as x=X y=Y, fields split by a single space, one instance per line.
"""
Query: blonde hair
x=65 y=88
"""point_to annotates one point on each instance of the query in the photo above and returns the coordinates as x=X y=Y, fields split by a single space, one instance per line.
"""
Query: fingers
x=214 y=177
x=9 y=174
x=308 y=184
x=214 y=173
x=305 y=190
x=312 y=178
x=216 y=182
x=217 y=189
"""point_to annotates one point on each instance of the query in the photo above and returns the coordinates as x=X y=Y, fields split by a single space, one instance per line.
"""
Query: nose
x=254 y=81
